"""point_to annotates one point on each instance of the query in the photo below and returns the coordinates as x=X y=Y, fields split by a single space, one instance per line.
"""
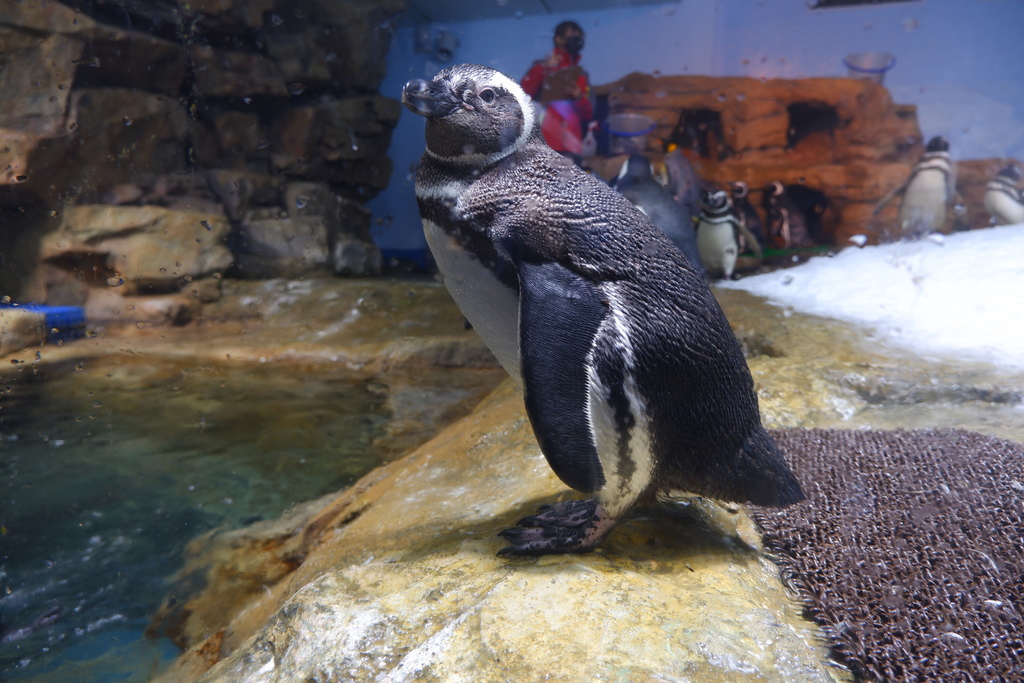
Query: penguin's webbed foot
x=573 y=526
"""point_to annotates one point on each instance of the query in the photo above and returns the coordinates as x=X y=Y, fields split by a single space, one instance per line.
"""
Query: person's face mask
x=573 y=44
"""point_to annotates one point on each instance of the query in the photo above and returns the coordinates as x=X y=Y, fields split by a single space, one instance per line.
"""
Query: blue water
x=110 y=466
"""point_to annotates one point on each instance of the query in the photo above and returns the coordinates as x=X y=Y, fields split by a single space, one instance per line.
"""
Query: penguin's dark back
x=701 y=401
x=688 y=351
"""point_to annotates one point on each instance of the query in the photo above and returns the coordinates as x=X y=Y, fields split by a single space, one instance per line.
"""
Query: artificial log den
x=842 y=136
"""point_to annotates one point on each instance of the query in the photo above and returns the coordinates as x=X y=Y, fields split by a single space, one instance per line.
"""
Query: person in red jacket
x=562 y=88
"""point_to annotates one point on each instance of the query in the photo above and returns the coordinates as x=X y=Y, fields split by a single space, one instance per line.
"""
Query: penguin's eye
x=488 y=95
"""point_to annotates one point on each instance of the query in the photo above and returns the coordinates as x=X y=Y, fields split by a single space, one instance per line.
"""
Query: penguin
x=787 y=225
x=636 y=183
x=1002 y=198
x=633 y=382
x=683 y=182
x=812 y=205
x=745 y=210
x=717 y=229
x=928 y=193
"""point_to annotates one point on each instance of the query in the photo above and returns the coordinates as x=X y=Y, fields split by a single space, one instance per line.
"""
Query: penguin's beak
x=433 y=99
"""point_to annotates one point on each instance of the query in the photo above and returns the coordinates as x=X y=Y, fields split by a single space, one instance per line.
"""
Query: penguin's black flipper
x=560 y=313
x=574 y=526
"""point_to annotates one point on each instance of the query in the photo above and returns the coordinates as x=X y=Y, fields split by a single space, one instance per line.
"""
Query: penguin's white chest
x=491 y=307
x=925 y=202
x=1003 y=207
x=717 y=245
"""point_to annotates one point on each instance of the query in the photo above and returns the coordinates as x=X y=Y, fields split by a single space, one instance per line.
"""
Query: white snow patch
x=962 y=297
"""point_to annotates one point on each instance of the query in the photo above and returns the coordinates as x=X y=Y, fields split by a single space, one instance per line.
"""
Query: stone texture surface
x=131 y=103
x=20 y=329
x=398 y=579
x=133 y=249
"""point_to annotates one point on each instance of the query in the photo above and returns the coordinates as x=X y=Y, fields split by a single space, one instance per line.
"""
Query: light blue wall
x=959 y=60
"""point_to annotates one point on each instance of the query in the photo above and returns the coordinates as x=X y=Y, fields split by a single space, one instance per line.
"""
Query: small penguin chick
x=633 y=382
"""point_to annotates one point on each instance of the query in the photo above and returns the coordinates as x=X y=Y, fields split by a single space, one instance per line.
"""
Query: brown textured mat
x=909 y=550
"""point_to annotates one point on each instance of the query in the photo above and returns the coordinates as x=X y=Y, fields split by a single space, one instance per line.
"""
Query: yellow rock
x=399 y=580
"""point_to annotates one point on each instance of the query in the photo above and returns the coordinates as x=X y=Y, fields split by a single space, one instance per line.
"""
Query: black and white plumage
x=812 y=204
x=787 y=224
x=928 y=193
x=1002 y=198
x=636 y=183
x=745 y=211
x=633 y=382
x=719 y=232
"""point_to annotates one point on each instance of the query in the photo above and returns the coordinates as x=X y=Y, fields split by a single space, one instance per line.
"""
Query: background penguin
x=633 y=381
x=745 y=211
x=787 y=225
x=683 y=182
x=928 y=193
x=636 y=183
x=1002 y=198
x=717 y=230
x=812 y=205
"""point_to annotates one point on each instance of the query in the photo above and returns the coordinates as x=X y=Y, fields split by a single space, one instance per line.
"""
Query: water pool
x=109 y=465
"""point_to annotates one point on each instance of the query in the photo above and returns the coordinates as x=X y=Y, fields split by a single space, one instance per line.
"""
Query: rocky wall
x=842 y=136
x=263 y=115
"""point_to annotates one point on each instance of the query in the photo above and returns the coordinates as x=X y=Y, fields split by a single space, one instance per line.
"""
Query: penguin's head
x=937 y=144
x=714 y=200
x=475 y=114
x=739 y=189
x=635 y=168
x=1010 y=172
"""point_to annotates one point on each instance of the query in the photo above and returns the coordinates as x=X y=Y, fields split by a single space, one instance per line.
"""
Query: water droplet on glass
x=276 y=20
x=296 y=88
x=519 y=14
x=115 y=281
x=206 y=224
x=247 y=100
x=127 y=120
x=301 y=201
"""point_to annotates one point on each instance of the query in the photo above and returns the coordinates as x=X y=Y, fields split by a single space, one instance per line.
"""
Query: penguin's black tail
x=766 y=476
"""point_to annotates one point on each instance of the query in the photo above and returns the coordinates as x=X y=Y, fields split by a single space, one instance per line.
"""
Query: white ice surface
x=960 y=297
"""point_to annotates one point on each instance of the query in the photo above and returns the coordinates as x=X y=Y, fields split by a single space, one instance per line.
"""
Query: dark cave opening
x=808 y=118
x=700 y=130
